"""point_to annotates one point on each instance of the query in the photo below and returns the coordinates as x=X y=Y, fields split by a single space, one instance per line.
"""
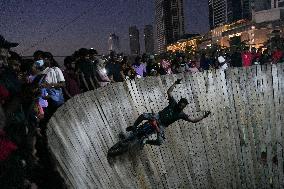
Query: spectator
x=193 y=69
x=4 y=94
x=93 y=54
x=166 y=67
x=72 y=80
x=101 y=73
x=180 y=65
x=113 y=68
x=256 y=61
x=236 y=58
x=54 y=82
x=152 y=67
x=5 y=46
x=222 y=62
x=10 y=77
x=86 y=70
x=139 y=67
x=144 y=59
x=258 y=53
x=205 y=62
x=94 y=63
x=127 y=70
x=277 y=55
x=266 y=57
x=247 y=58
x=253 y=52
x=35 y=77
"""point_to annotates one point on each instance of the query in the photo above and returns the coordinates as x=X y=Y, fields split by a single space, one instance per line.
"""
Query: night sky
x=63 y=26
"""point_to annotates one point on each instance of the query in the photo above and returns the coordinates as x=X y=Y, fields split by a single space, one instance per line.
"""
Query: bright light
x=104 y=71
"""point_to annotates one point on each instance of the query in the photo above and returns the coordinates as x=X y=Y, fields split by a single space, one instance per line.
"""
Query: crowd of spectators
x=31 y=90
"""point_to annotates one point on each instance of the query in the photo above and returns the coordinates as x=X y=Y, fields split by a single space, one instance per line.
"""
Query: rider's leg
x=142 y=117
x=139 y=120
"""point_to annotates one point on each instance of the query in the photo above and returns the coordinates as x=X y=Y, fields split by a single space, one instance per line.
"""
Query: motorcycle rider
x=172 y=113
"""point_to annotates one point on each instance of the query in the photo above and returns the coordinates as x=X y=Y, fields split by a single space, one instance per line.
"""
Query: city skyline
x=62 y=27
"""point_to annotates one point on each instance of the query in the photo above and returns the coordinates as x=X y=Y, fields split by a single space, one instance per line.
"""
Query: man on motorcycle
x=172 y=113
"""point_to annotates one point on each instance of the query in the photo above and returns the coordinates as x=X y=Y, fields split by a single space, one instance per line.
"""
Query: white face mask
x=39 y=63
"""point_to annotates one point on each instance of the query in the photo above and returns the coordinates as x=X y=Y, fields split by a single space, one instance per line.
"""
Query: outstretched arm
x=206 y=114
x=170 y=90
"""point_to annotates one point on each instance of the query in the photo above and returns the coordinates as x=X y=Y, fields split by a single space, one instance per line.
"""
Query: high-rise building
x=260 y=5
x=169 y=19
x=227 y=11
x=134 y=40
x=280 y=3
x=113 y=43
x=267 y=10
x=149 y=39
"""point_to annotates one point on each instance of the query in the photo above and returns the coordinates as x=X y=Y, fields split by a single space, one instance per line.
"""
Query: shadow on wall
x=223 y=151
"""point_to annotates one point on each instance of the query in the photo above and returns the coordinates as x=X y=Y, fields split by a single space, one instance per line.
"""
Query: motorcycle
x=135 y=139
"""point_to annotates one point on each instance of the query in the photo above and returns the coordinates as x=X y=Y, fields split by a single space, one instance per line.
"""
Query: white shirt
x=225 y=66
x=221 y=60
x=53 y=75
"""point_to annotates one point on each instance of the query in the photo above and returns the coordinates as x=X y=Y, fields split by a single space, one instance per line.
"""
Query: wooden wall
x=220 y=152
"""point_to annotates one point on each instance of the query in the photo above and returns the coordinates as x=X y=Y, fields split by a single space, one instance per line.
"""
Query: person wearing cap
x=4 y=50
x=9 y=67
x=152 y=67
x=172 y=113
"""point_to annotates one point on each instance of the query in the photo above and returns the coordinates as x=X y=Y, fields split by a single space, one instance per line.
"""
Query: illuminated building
x=181 y=45
x=226 y=11
x=169 y=18
x=134 y=40
x=268 y=10
x=113 y=43
x=149 y=39
x=253 y=34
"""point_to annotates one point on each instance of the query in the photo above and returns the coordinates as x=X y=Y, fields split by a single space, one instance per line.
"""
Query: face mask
x=39 y=63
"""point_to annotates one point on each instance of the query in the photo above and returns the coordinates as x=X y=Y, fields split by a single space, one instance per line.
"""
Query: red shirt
x=247 y=58
x=7 y=147
x=277 y=55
